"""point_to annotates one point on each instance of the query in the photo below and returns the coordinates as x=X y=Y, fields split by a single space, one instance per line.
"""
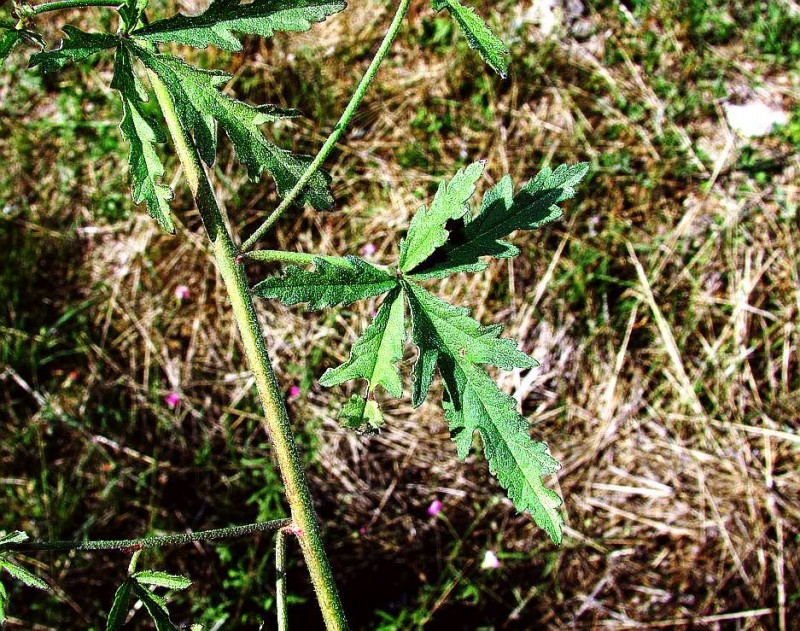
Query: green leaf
x=119 y=608
x=362 y=415
x=218 y=23
x=8 y=40
x=448 y=338
x=199 y=103
x=155 y=606
x=13 y=537
x=143 y=133
x=427 y=230
x=441 y=329
x=131 y=13
x=329 y=284
x=479 y=37
x=475 y=403
x=21 y=574
x=3 y=604
x=162 y=579
x=502 y=213
x=374 y=355
x=76 y=46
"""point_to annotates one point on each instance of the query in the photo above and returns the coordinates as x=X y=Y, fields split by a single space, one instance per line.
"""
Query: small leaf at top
x=217 y=24
x=155 y=606
x=21 y=574
x=502 y=213
x=362 y=414
x=119 y=608
x=374 y=355
x=13 y=537
x=162 y=579
x=328 y=285
x=143 y=133
x=76 y=46
x=427 y=230
x=479 y=37
x=131 y=13
x=199 y=103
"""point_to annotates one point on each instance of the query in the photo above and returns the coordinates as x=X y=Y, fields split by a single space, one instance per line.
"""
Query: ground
x=663 y=308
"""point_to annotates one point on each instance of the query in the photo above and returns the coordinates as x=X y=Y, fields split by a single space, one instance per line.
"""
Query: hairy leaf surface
x=480 y=38
x=217 y=24
x=75 y=46
x=327 y=285
x=475 y=403
x=427 y=231
x=199 y=103
x=143 y=133
x=502 y=213
x=119 y=608
x=16 y=536
x=21 y=574
x=155 y=606
x=374 y=355
x=448 y=338
x=162 y=579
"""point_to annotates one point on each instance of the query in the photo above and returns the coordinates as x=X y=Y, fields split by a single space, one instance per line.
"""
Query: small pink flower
x=490 y=561
x=294 y=392
x=362 y=530
x=182 y=292
x=368 y=250
x=435 y=508
x=172 y=399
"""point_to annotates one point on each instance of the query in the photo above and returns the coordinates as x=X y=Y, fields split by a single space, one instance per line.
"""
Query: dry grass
x=663 y=309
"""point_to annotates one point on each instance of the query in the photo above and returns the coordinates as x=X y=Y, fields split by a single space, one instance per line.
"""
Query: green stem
x=276 y=417
x=61 y=5
x=337 y=132
x=149 y=542
x=280 y=581
x=296 y=258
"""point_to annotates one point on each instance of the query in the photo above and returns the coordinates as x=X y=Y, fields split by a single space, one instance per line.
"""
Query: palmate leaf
x=76 y=46
x=427 y=232
x=143 y=133
x=199 y=103
x=374 y=355
x=448 y=338
x=502 y=213
x=329 y=284
x=475 y=403
x=489 y=47
x=223 y=18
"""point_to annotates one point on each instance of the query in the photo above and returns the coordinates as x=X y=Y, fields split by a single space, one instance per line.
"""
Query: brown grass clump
x=663 y=308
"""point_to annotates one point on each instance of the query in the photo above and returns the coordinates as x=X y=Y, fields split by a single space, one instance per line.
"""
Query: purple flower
x=368 y=250
x=435 y=508
x=172 y=399
x=490 y=561
x=294 y=392
x=182 y=292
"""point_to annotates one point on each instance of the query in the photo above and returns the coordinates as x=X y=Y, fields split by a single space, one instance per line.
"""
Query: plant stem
x=337 y=132
x=61 y=5
x=280 y=581
x=160 y=541
x=298 y=258
x=276 y=417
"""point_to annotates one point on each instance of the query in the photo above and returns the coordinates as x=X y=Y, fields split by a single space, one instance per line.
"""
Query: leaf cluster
x=442 y=240
x=139 y=585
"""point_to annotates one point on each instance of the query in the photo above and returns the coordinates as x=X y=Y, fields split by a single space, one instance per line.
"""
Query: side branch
x=337 y=132
x=161 y=541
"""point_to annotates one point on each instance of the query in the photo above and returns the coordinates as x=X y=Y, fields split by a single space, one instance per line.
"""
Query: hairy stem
x=160 y=541
x=337 y=132
x=280 y=581
x=27 y=10
x=297 y=258
x=276 y=417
